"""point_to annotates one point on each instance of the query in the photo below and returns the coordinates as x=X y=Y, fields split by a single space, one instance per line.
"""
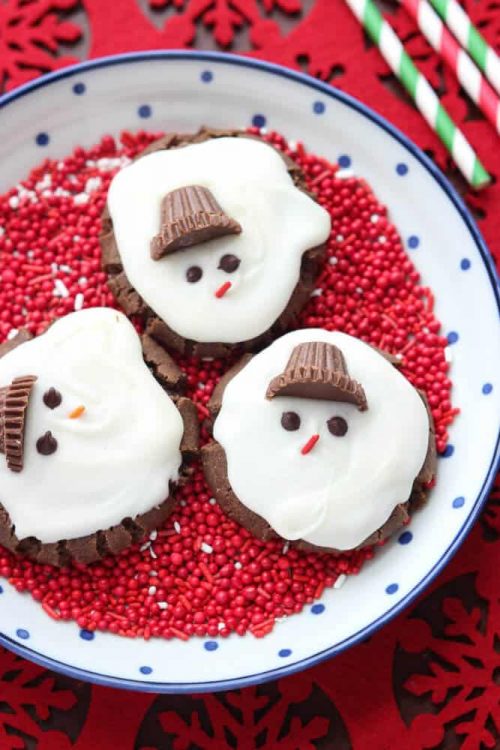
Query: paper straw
x=421 y=91
x=459 y=61
x=469 y=37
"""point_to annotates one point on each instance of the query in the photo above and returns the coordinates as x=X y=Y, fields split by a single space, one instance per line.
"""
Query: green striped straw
x=469 y=37
x=421 y=92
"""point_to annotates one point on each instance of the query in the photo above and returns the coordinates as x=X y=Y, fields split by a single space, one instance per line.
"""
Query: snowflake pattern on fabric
x=31 y=33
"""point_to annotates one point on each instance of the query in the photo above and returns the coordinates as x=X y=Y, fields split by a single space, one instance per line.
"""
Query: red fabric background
x=430 y=679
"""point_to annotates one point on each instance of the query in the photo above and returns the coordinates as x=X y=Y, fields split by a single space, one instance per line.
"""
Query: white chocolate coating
x=346 y=487
x=114 y=461
x=250 y=181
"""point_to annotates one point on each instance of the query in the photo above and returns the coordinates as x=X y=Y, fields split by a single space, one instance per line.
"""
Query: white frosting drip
x=346 y=487
x=114 y=461
x=250 y=181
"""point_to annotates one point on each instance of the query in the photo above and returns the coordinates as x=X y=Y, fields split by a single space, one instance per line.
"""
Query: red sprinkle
x=225 y=287
x=202 y=574
x=307 y=448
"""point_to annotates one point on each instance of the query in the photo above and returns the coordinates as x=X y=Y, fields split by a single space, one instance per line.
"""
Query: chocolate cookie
x=213 y=239
x=93 y=445
x=319 y=440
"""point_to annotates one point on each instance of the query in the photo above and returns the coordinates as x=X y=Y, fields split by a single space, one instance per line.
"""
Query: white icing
x=250 y=181
x=346 y=487
x=114 y=461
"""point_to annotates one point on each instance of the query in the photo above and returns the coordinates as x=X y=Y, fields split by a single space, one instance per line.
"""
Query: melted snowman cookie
x=319 y=439
x=216 y=243
x=92 y=445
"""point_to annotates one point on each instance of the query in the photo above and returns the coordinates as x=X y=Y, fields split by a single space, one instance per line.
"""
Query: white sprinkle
x=76 y=238
x=60 y=165
x=2 y=231
x=153 y=553
x=339 y=238
x=292 y=145
x=425 y=329
x=59 y=191
x=201 y=386
x=382 y=239
x=340 y=581
x=286 y=547
x=221 y=626
x=344 y=173
x=162 y=605
x=154 y=535
x=399 y=356
x=78 y=302
x=374 y=218
x=54 y=267
x=90 y=163
x=14 y=201
x=12 y=333
x=333 y=260
x=360 y=290
x=152 y=590
x=153 y=573
x=80 y=198
x=45 y=182
x=263 y=131
x=92 y=184
x=206 y=548
x=177 y=527
x=60 y=288
x=183 y=503
x=82 y=280
x=238 y=565
x=212 y=501
x=145 y=546
x=316 y=292
x=448 y=354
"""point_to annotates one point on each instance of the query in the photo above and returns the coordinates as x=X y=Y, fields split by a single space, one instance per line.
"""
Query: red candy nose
x=226 y=286
x=307 y=448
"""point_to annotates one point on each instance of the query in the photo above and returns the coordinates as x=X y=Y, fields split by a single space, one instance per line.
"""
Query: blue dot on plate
x=318 y=108
x=79 y=88
x=145 y=670
x=87 y=635
x=207 y=76
x=487 y=388
x=413 y=241
x=344 y=161
x=392 y=588
x=21 y=633
x=465 y=264
x=402 y=169
x=448 y=451
x=1 y=590
x=317 y=609
x=42 y=139
x=284 y=652
x=259 y=121
x=458 y=502
x=452 y=337
x=405 y=537
x=144 y=111
x=211 y=645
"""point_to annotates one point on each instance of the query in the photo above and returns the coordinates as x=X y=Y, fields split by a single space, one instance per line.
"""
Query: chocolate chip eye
x=229 y=263
x=52 y=398
x=46 y=444
x=290 y=421
x=337 y=426
x=194 y=273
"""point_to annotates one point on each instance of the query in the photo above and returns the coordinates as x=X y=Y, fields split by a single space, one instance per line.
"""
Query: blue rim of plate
x=363 y=634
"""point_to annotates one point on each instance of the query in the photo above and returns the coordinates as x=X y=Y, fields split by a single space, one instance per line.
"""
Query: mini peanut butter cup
x=189 y=216
x=14 y=400
x=317 y=370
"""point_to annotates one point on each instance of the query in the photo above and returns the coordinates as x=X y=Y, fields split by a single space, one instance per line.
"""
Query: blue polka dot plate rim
x=180 y=91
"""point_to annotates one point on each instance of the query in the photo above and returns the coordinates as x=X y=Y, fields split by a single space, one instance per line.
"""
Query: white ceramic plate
x=182 y=90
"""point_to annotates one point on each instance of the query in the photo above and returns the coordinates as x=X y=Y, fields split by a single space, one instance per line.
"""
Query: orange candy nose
x=307 y=448
x=76 y=412
x=226 y=286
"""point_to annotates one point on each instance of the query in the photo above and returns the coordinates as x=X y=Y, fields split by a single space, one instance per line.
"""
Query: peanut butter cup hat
x=14 y=400
x=317 y=370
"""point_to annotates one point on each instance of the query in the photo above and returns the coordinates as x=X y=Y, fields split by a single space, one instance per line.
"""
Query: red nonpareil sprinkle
x=225 y=287
x=307 y=448
x=202 y=574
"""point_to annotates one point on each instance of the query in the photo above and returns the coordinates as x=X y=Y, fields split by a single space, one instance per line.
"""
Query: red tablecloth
x=430 y=679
